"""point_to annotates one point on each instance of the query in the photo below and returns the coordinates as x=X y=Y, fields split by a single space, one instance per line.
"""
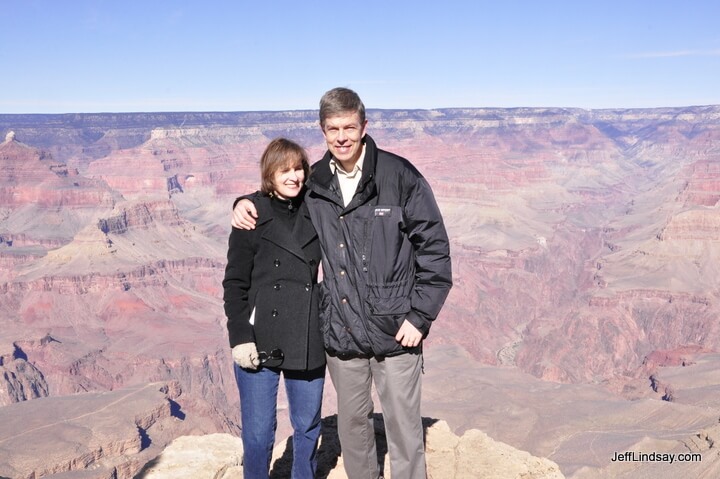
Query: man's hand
x=246 y=356
x=244 y=215
x=408 y=335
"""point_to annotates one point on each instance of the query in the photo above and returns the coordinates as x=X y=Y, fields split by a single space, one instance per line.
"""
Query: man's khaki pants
x=398 y=383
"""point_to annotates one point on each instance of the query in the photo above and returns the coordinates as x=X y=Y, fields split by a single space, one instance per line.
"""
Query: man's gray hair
x=340 y=100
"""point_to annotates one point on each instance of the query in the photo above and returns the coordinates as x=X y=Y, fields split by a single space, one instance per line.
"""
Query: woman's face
x=288 y=180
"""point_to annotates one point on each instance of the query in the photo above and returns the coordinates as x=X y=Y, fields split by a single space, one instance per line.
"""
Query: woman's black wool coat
x=274 y=271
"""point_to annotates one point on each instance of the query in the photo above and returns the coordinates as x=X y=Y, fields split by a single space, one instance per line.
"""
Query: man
x=386 y=275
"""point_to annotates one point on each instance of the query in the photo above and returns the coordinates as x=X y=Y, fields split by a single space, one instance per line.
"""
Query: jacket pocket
x=336 y=335
x=324 y=312
x=388 y=314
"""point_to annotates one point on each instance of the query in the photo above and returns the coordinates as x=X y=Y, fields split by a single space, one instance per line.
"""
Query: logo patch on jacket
x=383 y=211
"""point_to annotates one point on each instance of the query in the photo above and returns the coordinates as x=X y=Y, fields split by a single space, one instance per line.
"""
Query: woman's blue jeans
x=258 y=408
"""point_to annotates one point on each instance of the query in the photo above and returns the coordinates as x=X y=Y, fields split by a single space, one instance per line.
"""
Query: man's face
x=343 y=134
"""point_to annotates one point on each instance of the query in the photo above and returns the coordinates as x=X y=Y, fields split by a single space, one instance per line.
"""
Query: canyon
x=585 y=246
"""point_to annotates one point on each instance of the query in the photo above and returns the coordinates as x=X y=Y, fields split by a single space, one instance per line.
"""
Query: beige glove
x=245 y=355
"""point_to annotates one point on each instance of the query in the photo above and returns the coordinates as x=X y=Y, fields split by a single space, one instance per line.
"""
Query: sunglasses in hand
x=274 y=355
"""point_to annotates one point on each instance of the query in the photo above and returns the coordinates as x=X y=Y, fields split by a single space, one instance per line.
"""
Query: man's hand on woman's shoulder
x=244 y=215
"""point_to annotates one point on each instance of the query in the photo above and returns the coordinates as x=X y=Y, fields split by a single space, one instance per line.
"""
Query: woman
x=271 y=306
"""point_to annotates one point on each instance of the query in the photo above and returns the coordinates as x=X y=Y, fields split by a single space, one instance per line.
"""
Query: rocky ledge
x=142 y=432
x=471 y=456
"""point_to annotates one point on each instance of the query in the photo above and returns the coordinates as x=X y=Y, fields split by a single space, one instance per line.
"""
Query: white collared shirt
x=348 y=180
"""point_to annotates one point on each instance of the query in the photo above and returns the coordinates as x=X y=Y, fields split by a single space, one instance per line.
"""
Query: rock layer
x=102 y=435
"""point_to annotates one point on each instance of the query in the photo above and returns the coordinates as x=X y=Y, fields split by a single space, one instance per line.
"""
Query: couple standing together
x=371 y=219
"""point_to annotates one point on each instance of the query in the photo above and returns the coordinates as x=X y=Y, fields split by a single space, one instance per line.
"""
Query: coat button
x=275 y=313
x=277 y=263
x=344 y=300
x=308 y=286
x=276 y=286
x=342 y=245
x=342 y=272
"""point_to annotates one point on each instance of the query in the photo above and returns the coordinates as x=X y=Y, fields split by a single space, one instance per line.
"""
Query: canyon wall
x=583 y=242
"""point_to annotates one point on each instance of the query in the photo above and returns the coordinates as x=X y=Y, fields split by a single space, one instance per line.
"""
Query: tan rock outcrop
x=212 y=456
x=473 y=455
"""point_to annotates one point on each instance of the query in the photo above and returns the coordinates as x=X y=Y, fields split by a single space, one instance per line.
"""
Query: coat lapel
x=302 y=234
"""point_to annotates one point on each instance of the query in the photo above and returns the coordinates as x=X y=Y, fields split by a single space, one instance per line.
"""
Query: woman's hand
x=245 y=355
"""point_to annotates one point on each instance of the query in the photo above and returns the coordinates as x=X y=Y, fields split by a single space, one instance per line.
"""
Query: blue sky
x=161 y=55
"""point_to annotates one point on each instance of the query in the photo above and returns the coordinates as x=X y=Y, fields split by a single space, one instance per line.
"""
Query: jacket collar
x=302 y=233
x=322 y=179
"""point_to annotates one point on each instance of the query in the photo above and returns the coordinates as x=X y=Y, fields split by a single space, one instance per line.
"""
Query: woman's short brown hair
x=280 y=153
